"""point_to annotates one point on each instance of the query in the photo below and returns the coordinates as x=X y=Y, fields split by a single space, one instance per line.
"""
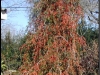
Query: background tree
x=89 y=57
x=10 y=50
x=91 y=9
x=90 y=33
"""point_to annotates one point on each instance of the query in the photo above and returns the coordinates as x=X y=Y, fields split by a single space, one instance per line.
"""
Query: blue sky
x=16 y=20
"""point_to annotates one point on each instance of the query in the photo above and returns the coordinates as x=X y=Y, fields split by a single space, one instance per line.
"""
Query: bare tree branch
x=90 y=8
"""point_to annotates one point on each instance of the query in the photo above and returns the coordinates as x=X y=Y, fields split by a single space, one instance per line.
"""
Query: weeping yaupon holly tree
x=53 y=48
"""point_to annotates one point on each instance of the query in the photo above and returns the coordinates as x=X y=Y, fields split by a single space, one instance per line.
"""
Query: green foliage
x=90 y=33
x=10 y=50
x=3 y=66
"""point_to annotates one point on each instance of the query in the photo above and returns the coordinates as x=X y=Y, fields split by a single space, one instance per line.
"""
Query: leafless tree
x=91 y=9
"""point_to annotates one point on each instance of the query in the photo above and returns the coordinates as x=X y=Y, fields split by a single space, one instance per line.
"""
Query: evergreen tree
x=10 y=50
